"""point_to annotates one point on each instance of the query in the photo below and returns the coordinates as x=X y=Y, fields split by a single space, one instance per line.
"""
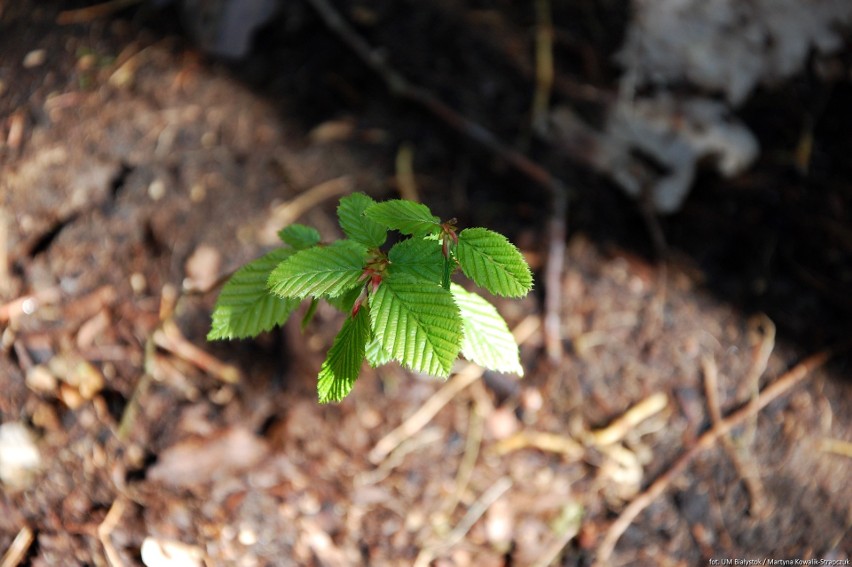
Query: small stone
x=501 y=423
x=87 y=379
x=247 y=536
x=35 y=58
x=157 y=190
x=138 y=283
x=40 y=379
x=79 y=375
x=169 y=553
x=87 y=62
x=499 y=525
x=197 y=193
x=71 y=397
x=19 y=455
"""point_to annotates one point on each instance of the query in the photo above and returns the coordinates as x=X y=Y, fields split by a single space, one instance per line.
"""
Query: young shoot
x=399 y=301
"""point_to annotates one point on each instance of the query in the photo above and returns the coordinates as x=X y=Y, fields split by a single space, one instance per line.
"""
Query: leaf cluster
x=400 y=301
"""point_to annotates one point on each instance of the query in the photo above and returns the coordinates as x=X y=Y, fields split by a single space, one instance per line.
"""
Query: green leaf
x=375 y=354
x=345 y=300
x=343 y=363
x=321 y=270
x=417 y=257
x=487 y=340
x=493 y=262
x=299 y=236
x=417 y=324
x=407 y=217
x=245 y=307
x=356 y=226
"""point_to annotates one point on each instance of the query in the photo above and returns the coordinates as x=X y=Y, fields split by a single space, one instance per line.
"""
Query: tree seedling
x=400 y=301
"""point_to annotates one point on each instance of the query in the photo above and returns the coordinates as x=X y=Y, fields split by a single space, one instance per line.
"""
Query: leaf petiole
x=448 y=264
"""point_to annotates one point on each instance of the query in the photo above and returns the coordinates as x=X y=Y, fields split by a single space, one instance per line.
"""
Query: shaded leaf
x=345 y=300
x=487 y=340
x=245 y=307
x=338 y=373
x=417 y=324
x=299 y=236
x=417 y=257
x=356 y=225
x=493 y=262
x=407 y=217
x=321 y=270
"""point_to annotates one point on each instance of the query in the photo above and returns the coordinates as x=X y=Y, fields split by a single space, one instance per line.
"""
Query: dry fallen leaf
x=199 y=461
x=202 y=268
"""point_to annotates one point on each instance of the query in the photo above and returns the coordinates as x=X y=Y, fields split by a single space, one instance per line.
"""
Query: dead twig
x=131 y=410
x=18 y=549
x=89 y=13
x=321 y=544
x=27 y=304
x=471 y=453
x=601 y=438
x=415 y=422
x=400 y=86
x=288 y=212
x=543 y=65
x=553 y=271
x=468 y=374
x=541 y=440
x=106 y=527
x=405 y=181
x=772 y=392
x=5 y=264
x=836 y=446
x=746 y=469
x=762 y=333
x=408 y=446
x=169 y=337
x=638 y=413
x=476 y=510
x=17 y=125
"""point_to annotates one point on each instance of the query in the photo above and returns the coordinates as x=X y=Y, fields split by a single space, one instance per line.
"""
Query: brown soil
x=133 y=169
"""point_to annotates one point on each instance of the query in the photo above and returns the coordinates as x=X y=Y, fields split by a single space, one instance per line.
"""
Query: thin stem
x=448 y=243
x=445 y=281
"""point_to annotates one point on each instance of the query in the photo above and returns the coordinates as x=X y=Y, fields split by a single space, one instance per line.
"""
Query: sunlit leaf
x=245 y=307
x=319 y=271
x=418 y=258
x=375 y=354
x=407 y=217
x=338 y=373
x=417 y=324
x=356 y=225
x=493 y=262
x=487 y=340
x=299 y=236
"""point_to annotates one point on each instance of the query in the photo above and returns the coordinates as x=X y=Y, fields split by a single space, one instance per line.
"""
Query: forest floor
x=701 y=408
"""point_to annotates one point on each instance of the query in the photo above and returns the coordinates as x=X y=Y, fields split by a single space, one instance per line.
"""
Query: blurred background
x=675 y=172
